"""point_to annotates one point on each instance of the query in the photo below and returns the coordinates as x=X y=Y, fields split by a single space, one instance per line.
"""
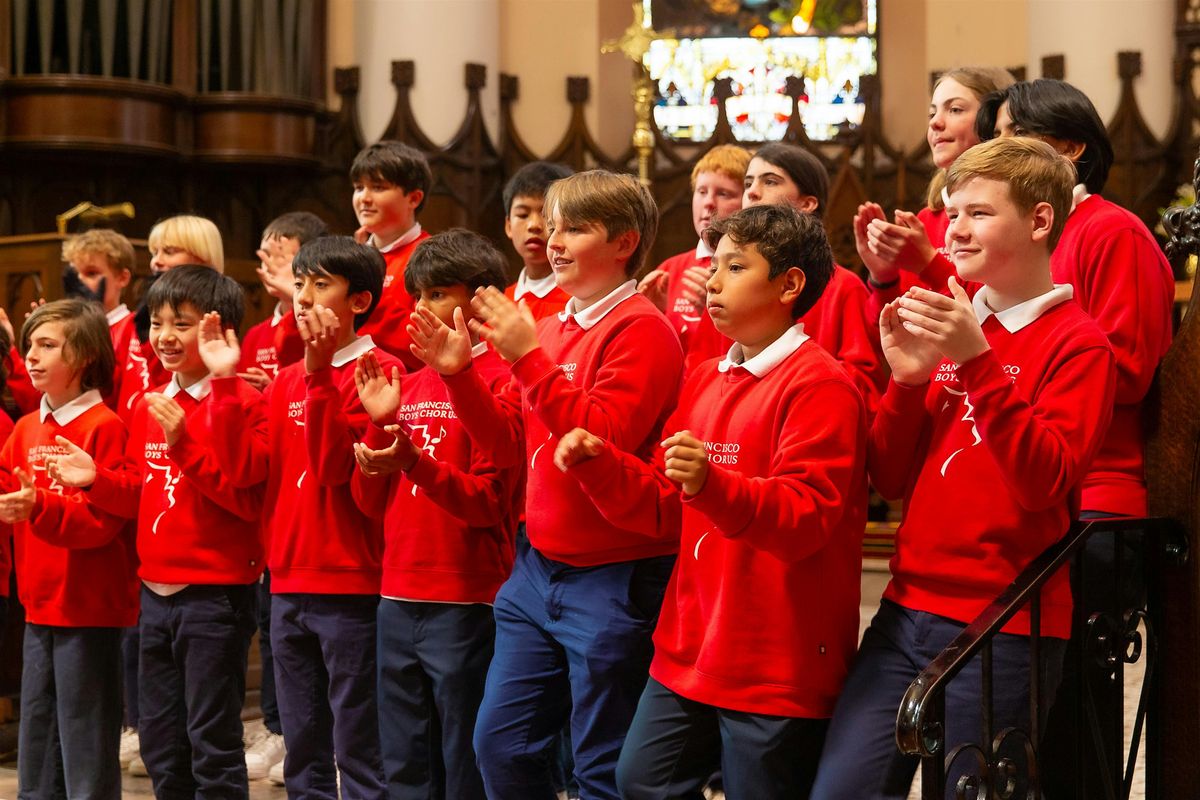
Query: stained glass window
x=759 y=44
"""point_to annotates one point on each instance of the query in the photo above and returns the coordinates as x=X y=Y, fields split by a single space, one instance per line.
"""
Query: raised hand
x=256 y=377
x=695 y=287
x=74 y=468
x=578 y=445
x=400 y=456
x=275 y=269
x=882 y=270
x=219 y=349
x=18 y=506
x=686 y=461
x=903 y=244
x=912 y=359
x=319 y=329
x=446 y=349
x=509 y=328
x=654 y=286
x=167 y=413
x=379 y=396
x=947 y=323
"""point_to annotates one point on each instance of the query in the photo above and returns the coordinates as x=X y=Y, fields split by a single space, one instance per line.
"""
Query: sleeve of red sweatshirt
x=479 y=497
x=897 y=433
x=491 y=416
x=371 y=494
x=200 y=463
x=791 y=512
x=118 y=488
x=1042 y=446
x=72 y=521
x=1129 y=295
x=630 y=493
x=857 y=347
x=641 y=370
x=242 y=451
x=331 y=427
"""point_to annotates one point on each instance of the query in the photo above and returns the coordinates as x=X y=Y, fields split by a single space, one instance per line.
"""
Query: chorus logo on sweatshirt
x=295 y=412
x=569 y=370
x=723 y=452
x=426 y=409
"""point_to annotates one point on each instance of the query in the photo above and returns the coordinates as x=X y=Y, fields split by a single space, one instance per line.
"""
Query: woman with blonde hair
x=185 y=239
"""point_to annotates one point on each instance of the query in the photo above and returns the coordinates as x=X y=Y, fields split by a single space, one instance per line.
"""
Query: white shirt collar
x=353 y=350
x=703 y=251
x=410 y=235
x=538 y=287
x=69 y=412
x=1017 y=317
x=1078 y=195
x=478 y=349
x=599 y=310
x=771 y=356
x=278 y=315
x=117 y=314
x=198 y=390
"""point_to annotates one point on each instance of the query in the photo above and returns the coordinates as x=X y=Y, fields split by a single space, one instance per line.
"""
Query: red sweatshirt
x=775 y=533
x=272 y=344
x=388 y=324
x=6 y=532
x=320 y=541
x=450 y=522
x=131 y=379
x=613 y=369
x=195 y=524
x=76 y=564
x=543 y=300
x=1123 y=281
x=838 y=322
x=990 y=458
x=700 y=338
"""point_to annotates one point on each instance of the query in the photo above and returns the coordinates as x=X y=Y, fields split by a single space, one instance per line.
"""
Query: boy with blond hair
x=996 y=407
x=573 y=623
x=677 y=285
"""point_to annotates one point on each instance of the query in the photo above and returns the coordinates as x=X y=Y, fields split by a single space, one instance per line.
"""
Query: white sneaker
x=137 y=767
x=263 y=754
x=275 y=773
x=130 y=746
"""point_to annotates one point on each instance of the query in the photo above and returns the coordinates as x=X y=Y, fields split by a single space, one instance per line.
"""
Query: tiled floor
x=873 y=584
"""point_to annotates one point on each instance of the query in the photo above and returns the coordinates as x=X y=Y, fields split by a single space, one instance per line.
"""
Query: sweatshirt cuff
x=377 y=438
x=533 y=367
x=597 y=472
x=320 y=382
x=717 y=500
x=424 y=472
x=225 y=389
x=108 y=494
x=983 y=373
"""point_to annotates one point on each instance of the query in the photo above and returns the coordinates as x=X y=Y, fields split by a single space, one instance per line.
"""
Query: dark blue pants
x=433 y=660
x=675 y=745
x=267 y=701
x=324 y=648
x=569 y=641
x=861 y=760
x=130 y=645
x=70 y=729
x=192 y=676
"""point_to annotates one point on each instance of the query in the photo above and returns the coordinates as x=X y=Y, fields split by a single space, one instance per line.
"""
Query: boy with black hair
x=391 y=183
x=997 y=405
x=449 y=520
x=325 y=553
x=199 y=543
x=764 y=469
x=525 y=225
x=573 y=622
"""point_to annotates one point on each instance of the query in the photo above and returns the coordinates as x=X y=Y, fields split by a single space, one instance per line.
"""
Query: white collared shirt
x=1017 y=317
x=409 y=236
x=1078 y=194
x=771 y=356
x=278 y=315
x=353 y=350
x=478 y=349
x=198 y=390
x=588 y=317
x=117 y=314
x=69 y=412
x=538 y=287
x=703 y=251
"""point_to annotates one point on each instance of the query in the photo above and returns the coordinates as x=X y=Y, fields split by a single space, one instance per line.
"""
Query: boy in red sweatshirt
x=75 y=564
x=765 y=462
x=996 y=408
x=449 y=520
x=525 y=226
x=391 y=182
x=200 y=547
x=324 y=551
x=677 y=285
x=573 y=623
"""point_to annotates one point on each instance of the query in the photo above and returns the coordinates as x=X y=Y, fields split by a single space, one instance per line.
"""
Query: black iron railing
x=1004 y=763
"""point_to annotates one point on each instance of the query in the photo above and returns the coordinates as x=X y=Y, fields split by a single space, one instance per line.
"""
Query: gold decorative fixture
x=92 y=213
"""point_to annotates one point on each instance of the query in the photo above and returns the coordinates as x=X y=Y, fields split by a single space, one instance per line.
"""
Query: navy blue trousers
x=433 y=660
x=267 y=700
x=861 y=760
x=571 y=643
x=675 y=745
x=70 y=729
x=324 y=649
x=130 y=645
x=192 y=682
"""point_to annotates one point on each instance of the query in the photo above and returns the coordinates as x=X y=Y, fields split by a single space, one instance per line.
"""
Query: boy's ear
x=415 y=198
x=507 y=226
x=1043 y=221
x=122 y=277
x=791 y=286
x=1072 y=150
x=807 y=203
x=360 y=301
x=627 y=242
